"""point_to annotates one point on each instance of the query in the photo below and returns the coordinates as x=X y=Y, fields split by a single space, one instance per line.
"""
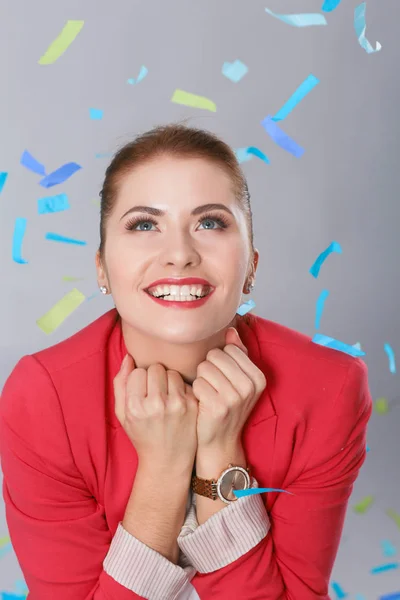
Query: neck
x=184 y=358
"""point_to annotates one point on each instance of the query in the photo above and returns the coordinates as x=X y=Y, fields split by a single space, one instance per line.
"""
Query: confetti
x=387 y=548
x=306 y=87
x=61 y=43
x=252 y=491
x=28 y=161
x=52 y=204
x=396 y=518
x=257 y=152
x=300 y=20
x=243 y=155
x=330 y=5
x=360 y=28
x=333 y=247
x=340 y=593
x=382 y=568
x=234 y=71
x=320 y=307
x=324 y=340
x=19 y=232
x=3 y=179
x=381 y=406
x=281 y=138
x=96 y=114
x=392 y=363
x=59 y=238
x=60 y=175
x=188 y=99
x=142 y=74
x=392 y=596
x=60 y=311
x=363 y=505
x=5 y=549
x=245 y=307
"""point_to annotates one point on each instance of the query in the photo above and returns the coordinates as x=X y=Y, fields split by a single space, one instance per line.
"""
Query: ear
x=101 y=274
x=232 y=337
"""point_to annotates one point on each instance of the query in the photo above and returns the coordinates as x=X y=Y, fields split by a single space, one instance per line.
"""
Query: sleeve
x=225 y=536
x=296 y=558
x=57 y=529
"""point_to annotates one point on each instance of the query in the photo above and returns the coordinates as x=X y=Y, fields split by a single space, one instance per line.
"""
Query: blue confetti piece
x=324 y=340
x=245 y=307
x=300 y=20
x=392 y=596
x=257 y=152
x=390 y=354
x=242 y=155
x=252 y=491
x=7 y=596
x=96 y=113
x=51 y=204
x=333 y=247
x=19 y=232
x=60 y=238
x=330 y=5
x=306 y=87
x=104 y=155
x=360 y=597
x=5 y=549
x=320 y=307
x=234 y=71
x=387 y=548
x=383 y=568
x=360 y=28
x=142 y=74
x=20 y=587
x=60 y=175
x=368 y=448
x=3 y=179
x=28 y=161
x=281 y=138
x=340 y=593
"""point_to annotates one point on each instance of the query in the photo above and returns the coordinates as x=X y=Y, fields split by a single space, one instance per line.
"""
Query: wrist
x=211 y=461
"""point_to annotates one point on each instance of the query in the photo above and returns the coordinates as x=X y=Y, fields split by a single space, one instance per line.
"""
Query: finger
x=247 y=366
x=176 y=385
x=217 y=378
x=136 y=391
x=157 y=382
x=238 y=379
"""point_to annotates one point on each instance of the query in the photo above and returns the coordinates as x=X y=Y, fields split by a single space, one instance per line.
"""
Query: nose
x=179 y=249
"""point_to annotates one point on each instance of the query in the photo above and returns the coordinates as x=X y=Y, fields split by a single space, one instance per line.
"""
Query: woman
x=115 y=442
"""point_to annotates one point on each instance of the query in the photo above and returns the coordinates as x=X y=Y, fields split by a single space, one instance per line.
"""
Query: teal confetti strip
x=28 y=161
x=387 y=548
x=281 y=138
x=333 y=247
x=360 y=28
x=60 y=238
x=320 y=307
x=243 y=155
x=257 y=152
x=96 y=113
x=51 y=204
x=383 y=568
x=330 y=5
x=390 y=354
x=245 y=307
x=306 y=87
x=19 y=232
x=234 y=71
x=7 y=596
x=3 y=179
x=324 y=340
x=360 y=597
x=368 y=448
x=300 y=20
x=337 y=588
x=252 y=491
x=142 y=74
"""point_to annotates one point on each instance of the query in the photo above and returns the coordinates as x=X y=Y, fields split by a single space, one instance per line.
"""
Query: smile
x=181 y=301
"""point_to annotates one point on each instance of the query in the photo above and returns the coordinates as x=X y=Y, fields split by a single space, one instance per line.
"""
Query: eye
x=134 y=222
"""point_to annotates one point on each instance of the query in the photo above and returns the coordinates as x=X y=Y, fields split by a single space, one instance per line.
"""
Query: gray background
x=344 y=188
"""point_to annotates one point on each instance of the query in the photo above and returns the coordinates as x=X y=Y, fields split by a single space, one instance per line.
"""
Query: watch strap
x=208 y=487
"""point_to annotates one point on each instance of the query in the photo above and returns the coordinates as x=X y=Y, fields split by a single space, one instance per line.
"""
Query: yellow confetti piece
x=188 y=99
x=396 y=518
x=363 y=505
x=60 y=311
x=381 y=406
x=4 y=541
x=61 y=43
x=66 y=278
x=96 y=202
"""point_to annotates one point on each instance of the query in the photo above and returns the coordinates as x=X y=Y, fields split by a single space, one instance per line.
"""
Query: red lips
x=180 y=281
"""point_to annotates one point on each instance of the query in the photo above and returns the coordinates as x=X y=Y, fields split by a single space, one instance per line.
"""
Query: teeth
x=179 y=292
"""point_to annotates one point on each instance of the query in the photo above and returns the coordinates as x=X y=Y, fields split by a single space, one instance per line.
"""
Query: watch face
x=234 y=480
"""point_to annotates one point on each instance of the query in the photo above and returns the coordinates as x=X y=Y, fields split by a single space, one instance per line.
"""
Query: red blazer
x=69 y=467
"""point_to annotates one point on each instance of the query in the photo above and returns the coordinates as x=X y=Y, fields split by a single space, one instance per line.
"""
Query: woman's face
x=142 y=248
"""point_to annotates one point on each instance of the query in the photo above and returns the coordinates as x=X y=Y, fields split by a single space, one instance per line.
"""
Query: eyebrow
x=161 y=213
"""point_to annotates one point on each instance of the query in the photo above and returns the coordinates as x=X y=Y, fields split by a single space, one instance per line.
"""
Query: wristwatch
x=231 y=478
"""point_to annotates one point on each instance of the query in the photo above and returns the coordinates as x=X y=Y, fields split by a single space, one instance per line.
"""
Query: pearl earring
x=103 y=289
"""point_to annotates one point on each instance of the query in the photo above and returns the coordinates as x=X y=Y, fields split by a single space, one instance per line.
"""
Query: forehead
x=168 y=179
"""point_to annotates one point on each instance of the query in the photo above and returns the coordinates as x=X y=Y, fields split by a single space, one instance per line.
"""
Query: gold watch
x=232 y=478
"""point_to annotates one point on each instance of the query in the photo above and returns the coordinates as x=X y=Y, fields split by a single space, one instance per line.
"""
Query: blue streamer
x=320 y=307
x=306 y=87
x=28 y=161
x=60 y=175
x=333 y=247
x=19 y=232
x=324 y=340
x=390 y=354
x=60 y=238
x=281 y=138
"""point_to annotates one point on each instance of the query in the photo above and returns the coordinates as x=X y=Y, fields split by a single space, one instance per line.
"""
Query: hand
x=158 y=412
x=227 y=386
